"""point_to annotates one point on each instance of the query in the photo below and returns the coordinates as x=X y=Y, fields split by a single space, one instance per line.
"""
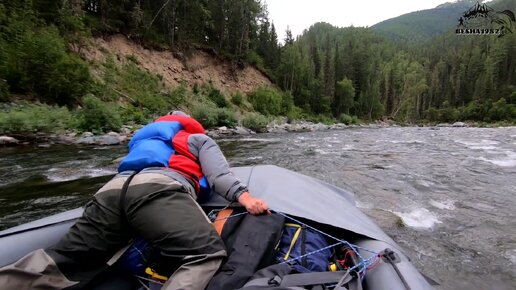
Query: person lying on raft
x=171 y=164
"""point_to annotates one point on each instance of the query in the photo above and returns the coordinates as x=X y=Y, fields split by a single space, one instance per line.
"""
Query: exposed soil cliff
x=199 y=67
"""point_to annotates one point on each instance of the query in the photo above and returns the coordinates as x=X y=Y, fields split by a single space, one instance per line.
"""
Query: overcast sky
x=300 y=14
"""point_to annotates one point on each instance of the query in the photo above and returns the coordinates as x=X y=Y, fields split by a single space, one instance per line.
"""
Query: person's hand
x=253 y=205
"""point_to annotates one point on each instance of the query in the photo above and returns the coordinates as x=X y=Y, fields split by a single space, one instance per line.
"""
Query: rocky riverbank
x=126 y=132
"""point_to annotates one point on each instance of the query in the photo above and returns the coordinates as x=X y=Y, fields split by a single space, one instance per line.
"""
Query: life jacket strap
x=121 y=201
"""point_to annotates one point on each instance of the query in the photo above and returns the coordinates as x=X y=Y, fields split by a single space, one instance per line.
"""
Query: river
x=453 y=188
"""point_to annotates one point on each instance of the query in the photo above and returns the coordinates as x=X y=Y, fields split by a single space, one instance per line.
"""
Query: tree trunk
x=172 y=26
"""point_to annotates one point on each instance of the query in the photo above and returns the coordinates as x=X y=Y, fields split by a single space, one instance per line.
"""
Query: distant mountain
x=421 y=26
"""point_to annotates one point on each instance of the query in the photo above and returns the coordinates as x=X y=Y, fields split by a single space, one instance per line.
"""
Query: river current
x=447 y=196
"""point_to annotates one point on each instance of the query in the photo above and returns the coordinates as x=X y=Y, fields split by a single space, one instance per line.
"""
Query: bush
x=206 y=115
x=133 y=58
x=347 y=119
x=4 y=90
x=287 y=103
x=140 y=89
x=447 y=113
x=38 y=63
x=98 y=116
x=211 y=117
x=69 y=81
x=473 y=111
x=512 y=98
x=321 y=118
x=226 y=117
x=296 y=113
x=217 y=97
x=432 y=114
x=255 y=121
x=266 y=100
x=35 y=118
x=499 y=110
x=237 y=99
x=253 y=58
x=132 y=114
x=179 y=95
x=196 y=89
x=512 y=111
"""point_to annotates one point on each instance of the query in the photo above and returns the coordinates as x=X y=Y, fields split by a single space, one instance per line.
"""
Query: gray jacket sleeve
x=215 y=167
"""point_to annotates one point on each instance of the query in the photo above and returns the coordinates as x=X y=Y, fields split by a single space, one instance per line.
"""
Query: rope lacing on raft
x=361 y=266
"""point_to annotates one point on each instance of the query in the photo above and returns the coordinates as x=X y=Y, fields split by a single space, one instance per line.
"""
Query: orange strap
x=221 y=219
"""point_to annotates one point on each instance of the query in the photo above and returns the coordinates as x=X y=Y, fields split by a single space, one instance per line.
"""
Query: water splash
x=446 y=204
x=67 y=174
x=509 y=161
x=420 y=218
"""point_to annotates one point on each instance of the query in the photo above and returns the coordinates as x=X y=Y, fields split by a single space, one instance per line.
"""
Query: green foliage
x=344 y=97
x=327 y=70
x=348 y=120
x=179 y=95
x=226 y=117
x=98 y=116
x=93 y=23
x=132 y=114
x=196 y=89
x=321 y=118
x=133 y=58
x=31 y=118
x=253 y=58
x=237 y=99
x=448 y=114
x=70 y=80
x=217 y=97
x=296 y=114
x=422 y=25
x=473 y=111
x=206 y=115
x=4 y=90
x=268 y=101
x=255 y=121
x=141 y=89
x=37 y=62
x=512 y=98
x=432 y=114
x=499 y=110
x=287 y=103
x=512 y=112
x=211 y=117
x=71 y=25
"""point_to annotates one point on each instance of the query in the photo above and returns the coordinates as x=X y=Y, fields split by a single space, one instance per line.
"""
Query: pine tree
x=329 y=70
x=344 y=97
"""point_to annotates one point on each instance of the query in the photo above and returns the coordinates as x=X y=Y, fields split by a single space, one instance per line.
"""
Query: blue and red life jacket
x=164 y=143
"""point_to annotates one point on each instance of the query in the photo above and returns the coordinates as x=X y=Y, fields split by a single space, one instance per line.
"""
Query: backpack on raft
x=301 y=247
x=264 y=252
x=304 y=260
x=250 y=242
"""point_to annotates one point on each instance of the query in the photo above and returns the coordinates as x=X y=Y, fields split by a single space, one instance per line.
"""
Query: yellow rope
x=294 y=239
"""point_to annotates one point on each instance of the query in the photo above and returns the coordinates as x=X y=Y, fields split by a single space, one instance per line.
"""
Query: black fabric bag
x=251 y=246
x=286 y=277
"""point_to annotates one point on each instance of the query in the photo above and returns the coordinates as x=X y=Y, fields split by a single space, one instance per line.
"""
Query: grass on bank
x=27 y=118
x=124 y=94
x=120 y=92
